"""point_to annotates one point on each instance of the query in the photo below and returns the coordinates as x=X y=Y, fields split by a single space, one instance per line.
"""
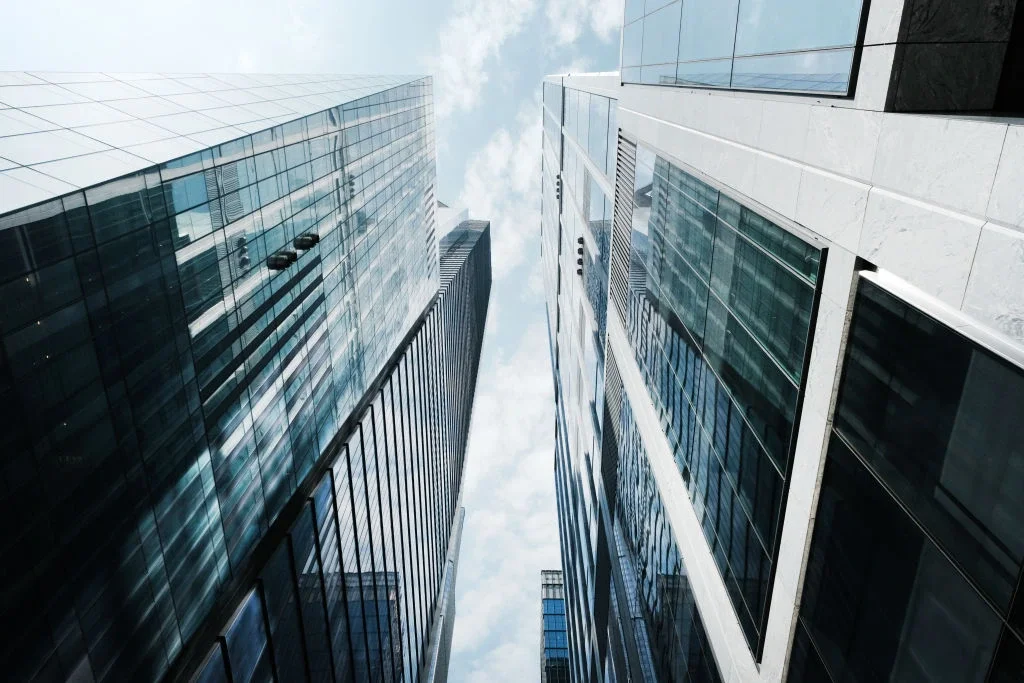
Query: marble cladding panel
x=884 y=20
x=874 y=77
x=995 y=291
x=947 y=21
x=832 y=206
x=951 y=162
x=944 y=77
x=927 y=246
x=776 y=184
x=843 y=141
x=784 y=128
x=735 y=118
x=1007 y=201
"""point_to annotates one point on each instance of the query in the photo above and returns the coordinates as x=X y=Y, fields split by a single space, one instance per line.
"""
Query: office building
x=386 y=508
x=784 y=449
x=554 y=644
x=210 y=282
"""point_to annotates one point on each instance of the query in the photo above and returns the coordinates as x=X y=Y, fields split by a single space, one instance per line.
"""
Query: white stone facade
x=936 y=203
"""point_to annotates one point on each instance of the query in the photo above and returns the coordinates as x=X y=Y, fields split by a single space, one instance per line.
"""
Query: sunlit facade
x=205 y=276
x=795 y=467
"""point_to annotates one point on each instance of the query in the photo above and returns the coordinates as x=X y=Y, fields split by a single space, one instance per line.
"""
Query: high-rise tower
x=782 y=303
x=554 y=644
x=211 y=283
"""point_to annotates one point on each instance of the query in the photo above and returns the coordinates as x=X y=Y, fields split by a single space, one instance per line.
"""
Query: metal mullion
x=355 y=539
x=341 y=569
x=296 y=591
x=395 y=506
x=371 y=413
x=411 y=622
x=323 y=583
x=425 y=480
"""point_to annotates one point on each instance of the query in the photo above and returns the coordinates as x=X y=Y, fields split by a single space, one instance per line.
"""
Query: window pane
x=246 y=643
x=796 y=25
x=880 y=600
x=708 y=29
x=825 y=71
x=632 y=43
x=935 y=416
x=661 y=35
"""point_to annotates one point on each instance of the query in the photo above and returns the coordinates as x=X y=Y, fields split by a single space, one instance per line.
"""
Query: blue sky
x=488 y=57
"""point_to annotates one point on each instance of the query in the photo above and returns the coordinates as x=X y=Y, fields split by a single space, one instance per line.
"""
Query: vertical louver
x=625 y=169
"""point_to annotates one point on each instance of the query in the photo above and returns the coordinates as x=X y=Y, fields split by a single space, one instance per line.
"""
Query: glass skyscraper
x=787 y=335
x=554 y=646
x=216 y=286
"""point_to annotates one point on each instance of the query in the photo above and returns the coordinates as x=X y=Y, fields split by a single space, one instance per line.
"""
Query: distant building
x=554 y=643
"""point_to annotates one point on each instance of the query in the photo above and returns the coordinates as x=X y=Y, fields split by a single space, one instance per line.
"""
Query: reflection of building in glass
x=554 y=647
x=779 y=454
x=203 y=282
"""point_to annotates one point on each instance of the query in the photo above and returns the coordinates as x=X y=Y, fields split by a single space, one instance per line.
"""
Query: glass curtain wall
x=915 y=564
x=679 y=642
x=720 y=309
x=168 y=391
x=351 y=589
x=791 y=45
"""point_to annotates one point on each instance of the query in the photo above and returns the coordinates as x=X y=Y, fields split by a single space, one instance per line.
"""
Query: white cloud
x=511 y=531
x=502 y=184
x=569 y=18
x=469 y=40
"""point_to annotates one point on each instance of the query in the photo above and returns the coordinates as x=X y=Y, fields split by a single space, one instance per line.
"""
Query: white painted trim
x=734 y=658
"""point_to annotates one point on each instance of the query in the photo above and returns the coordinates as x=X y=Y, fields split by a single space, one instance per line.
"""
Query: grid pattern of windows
x=350 y=592
x=915 y=564
x=64 y=131
x=721 y=302
x=791 y=45
x=169 y=391
x=679 y=643
x=554 y=658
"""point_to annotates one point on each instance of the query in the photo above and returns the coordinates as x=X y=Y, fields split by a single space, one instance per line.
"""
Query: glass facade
x=678 y=642
x=790 y=45
x=720 y=308
x=580 y=132
x=554 y=655
x=353 y=587
x=169 y=391
x=65 y=131
x=915 y=563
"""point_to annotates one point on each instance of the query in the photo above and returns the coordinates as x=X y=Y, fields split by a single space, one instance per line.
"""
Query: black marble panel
x=957 y=21
x=947 y=77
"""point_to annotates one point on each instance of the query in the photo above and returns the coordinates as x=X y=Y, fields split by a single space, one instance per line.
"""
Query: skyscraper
x=779 y=455
x=554 y=644
x=210 y=282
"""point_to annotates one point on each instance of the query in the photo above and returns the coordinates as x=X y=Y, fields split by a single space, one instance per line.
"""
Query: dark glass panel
x=1008 y=666
x=880 y=600
x=213 y=671
x=805 y=666
x=246 y=643
x=935 y=417
x=283 y=615
x=311 y=597
x=125 y=205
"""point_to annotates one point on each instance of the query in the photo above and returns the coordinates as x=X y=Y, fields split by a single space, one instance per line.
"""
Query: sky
x=488 y=58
